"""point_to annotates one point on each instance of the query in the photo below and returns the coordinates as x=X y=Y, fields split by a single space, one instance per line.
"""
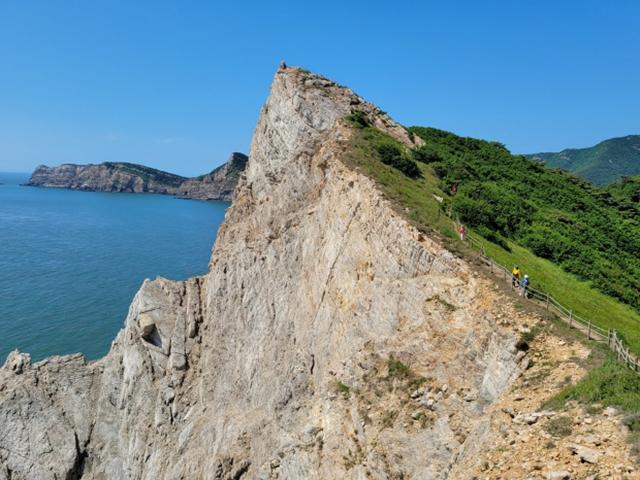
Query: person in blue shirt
x=524 y=284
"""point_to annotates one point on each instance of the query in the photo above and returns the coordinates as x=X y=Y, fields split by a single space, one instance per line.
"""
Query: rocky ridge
x=128 y=177
x=329 y=339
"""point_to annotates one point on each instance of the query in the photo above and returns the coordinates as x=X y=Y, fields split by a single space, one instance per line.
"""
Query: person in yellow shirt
x=515 y=276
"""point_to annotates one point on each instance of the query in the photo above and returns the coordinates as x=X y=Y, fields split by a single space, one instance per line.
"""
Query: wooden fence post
x=589 y=331
x=570 y=317
x=627 y=361
x=547 y=308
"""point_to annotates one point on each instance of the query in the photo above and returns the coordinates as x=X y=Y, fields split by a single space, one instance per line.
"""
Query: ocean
x=71 y=262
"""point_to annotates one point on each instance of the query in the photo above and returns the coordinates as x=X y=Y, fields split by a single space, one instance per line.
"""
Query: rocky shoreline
x=219 y=184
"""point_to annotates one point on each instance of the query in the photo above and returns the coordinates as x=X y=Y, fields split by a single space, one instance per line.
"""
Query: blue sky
x=178 y=85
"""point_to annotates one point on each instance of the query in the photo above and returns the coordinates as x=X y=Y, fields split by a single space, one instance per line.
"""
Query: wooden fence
x=552 y=306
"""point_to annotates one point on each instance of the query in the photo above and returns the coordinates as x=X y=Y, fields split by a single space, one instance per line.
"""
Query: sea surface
x=71 y=262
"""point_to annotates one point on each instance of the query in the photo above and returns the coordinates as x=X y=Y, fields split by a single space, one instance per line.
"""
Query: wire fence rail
x=553 y=306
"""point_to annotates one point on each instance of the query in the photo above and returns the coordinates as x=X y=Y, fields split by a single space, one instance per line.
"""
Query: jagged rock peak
x=329 y=338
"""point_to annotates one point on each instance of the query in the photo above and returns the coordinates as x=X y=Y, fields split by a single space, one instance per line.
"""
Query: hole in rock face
x=522 y=345
x=153 y=337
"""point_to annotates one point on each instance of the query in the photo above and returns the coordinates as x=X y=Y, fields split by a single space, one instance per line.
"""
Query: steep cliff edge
x=129 y=177
x=330 y=339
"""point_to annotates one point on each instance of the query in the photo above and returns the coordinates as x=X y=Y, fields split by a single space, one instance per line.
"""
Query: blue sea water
x=71 y=262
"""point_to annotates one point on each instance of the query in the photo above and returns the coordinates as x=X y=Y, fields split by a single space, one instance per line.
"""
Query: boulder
x=586 y=454
x=558 y=475
x=16 y=362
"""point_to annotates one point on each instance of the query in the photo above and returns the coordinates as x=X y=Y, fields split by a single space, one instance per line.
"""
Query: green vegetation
x=607 y=383
x=388 y=151
x=147 y=173
x=610 y=384
x=444 y=303
x=399 y=373
x=627 y=192
x=343 y=389
x=388 y=418
x=633 y=422
x=600 y=164
x=591 y=238
x=555 y=215
x=559 y=426
x=394 y=156
x=397 y=369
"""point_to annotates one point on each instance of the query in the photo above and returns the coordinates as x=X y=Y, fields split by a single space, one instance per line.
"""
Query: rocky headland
x=132 y=178
x=329 y=339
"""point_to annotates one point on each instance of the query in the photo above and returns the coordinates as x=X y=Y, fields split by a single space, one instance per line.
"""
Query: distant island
x=601 y=164
x=219 y=184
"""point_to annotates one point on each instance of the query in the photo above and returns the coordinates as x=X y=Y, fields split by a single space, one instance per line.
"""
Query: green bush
x=559 y=426
x=358 y=119
x=487 y=204
x=397 y=369
x=493 y=236
x=425 y=155
x=393 y=156
x=547 y=243
x=343 y=389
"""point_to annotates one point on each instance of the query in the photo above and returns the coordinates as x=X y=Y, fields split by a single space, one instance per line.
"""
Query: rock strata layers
x=329 y=339
x=132 y=178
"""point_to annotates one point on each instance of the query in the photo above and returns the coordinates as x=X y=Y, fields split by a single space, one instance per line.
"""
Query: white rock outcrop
x=275 y=364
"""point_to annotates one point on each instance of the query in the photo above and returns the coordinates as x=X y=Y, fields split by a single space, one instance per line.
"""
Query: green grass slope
x=601 y=164
x=576 y=241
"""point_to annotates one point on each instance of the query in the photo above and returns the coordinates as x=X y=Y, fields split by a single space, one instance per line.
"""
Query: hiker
x=525 y=285
x=462 y=232
x=515 y=276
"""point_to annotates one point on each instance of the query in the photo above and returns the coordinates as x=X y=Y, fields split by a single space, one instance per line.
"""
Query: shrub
x=392 y=155
x=343 y=389
x=358 y=119
x=559 y=426
x=397 y=369
x=547 y=243
x=425 y=154
x=494 y=237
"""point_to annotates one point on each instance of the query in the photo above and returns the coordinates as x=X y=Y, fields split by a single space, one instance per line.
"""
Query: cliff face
x=289 y=358
x=217 y=185
x=132 y=178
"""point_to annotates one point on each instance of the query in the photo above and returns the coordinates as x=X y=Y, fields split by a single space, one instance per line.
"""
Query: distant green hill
x=601 y=164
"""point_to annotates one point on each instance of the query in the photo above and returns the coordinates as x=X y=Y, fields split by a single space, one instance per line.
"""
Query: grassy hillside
x=626 y=191
x=555 y=215
x=576 y=241
x=601 y=164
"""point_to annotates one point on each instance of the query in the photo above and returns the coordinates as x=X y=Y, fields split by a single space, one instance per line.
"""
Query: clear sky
x=178 y=85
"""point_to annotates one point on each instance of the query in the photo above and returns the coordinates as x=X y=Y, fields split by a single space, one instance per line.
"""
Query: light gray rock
x=531 y=418
x=586 y=454
x=558 y=475
x=16 y=362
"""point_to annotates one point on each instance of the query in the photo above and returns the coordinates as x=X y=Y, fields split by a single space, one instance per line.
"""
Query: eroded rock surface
x=289 y=358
